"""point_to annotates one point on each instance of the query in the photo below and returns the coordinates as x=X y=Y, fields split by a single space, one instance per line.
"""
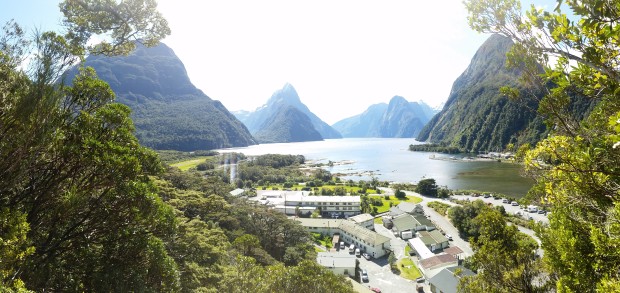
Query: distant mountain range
x=476 y=116
x=284 y=118
x=399 y=118
x=169 y=112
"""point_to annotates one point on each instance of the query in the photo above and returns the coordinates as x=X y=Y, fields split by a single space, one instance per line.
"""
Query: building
x=420 y=248
x=237 y=192
x=407 y=222
x=366 y=240
x=338 y=263
x=447 y=280
x=301 y=203
x=411 y=208
x=434 y=240
x=365 y=220
x=431 y=266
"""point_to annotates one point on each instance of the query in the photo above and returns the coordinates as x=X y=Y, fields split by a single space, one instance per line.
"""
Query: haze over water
x=390 y=160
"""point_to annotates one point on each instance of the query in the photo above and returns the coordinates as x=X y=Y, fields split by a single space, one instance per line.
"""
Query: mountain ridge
x=168 y=111
x=399 y=118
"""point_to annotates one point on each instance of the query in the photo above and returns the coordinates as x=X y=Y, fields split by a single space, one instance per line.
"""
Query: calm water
x=390 y=160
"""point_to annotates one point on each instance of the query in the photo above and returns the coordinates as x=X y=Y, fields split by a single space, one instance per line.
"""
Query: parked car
x=449 y=237
x=376 y=290
x=514 y=203
x=505 y=200
x=364 y=275
x=366 y=256
x=542 y=211
x=357 y=252
x=486 y=196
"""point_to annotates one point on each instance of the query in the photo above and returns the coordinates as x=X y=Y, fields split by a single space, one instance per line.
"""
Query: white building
x=366 y=240
x=338 y=263
x=293 y=202
x=365 y=220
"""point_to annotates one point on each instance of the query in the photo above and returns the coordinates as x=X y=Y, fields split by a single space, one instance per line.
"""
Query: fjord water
x=389 y=159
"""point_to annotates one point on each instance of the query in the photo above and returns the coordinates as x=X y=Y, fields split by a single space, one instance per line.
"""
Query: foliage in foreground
x=576 y=166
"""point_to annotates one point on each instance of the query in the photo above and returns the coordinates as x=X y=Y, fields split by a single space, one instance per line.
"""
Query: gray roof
x=432 y=237
x=371 y=237
x=336 y=260
x=423 y=221
x=362 y=218
x=395 y=211
x=405 y=222
x=446 y=280
x=408 y=222
x=408 y=207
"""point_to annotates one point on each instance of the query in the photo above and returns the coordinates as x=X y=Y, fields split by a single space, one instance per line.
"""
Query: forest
x=85 y=207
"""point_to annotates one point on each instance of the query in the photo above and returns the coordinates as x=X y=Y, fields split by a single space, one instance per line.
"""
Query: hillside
x=287 y=125
x=169 y=112
x=287 y=96
x=476 y=116
x=399 y=118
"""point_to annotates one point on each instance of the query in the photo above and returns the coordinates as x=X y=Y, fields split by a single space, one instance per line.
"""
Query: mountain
x=287 y=96
x=287 y=125
x=476 y=117
x=169 y=112
x=362 y=125
x=399 y=118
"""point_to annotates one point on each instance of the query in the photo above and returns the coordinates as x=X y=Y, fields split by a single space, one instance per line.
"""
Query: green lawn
x=317 y=249
x=386 y=203
x=186 y=165
x=408 y=270
x=379 y=221
x=407 y=249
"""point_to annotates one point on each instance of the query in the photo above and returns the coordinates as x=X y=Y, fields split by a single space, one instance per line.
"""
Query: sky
x=341 y=55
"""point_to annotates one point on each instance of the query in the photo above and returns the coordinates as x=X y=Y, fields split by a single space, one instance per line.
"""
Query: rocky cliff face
x=169 y=112
x=279 y=101
x=476 y=116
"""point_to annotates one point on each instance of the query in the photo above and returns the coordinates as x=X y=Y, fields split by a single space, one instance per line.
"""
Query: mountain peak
x=286 y=94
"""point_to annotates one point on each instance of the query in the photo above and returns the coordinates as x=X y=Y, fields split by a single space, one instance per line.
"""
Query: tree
x=575 y=168
x=427 y=187
x=74 y=185
x=400 y=194
x=504 y=258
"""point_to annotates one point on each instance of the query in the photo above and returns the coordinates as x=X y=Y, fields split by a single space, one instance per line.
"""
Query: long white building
x=294 y=202
x=366 y=240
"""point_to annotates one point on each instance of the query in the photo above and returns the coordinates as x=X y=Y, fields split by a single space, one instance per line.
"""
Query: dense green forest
x=85 y=207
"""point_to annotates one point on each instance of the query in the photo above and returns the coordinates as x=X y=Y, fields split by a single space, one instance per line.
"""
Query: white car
x=364 y=276
x=449 y=237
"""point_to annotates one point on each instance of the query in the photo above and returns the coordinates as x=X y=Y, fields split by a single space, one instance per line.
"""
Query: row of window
x=326 y=203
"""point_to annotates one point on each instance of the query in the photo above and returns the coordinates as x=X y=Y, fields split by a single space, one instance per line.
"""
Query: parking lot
x=379 y=273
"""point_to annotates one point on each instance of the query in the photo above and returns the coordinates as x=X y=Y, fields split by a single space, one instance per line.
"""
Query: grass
x=317 y=249
x=408 y=270
x=379 y=221
x=439 y=207
x=188 y=164
x=407 y=249
x=395 y=201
